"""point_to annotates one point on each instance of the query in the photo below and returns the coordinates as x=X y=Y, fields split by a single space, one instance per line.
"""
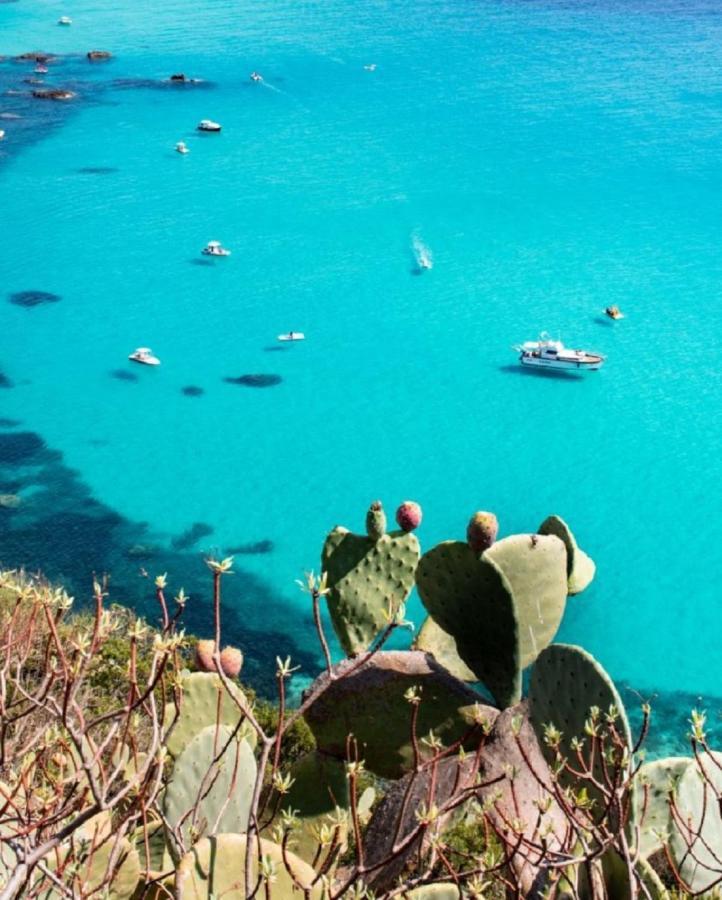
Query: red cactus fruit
x=204 y=656
x=481 y=531
x=231 y=661
x=409 y=515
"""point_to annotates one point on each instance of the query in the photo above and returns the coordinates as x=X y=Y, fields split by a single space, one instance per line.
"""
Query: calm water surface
x=555 y=158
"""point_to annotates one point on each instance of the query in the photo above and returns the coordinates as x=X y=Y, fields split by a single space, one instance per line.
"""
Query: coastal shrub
x=127 y=771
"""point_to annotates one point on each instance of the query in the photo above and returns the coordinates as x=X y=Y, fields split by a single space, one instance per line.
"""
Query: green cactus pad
x=566 y=682
x=580 y=567
x=696 y=840
x=199 y=708
x=231 y=782
x=370 y=704
x=215 y=868
x=471 y=599
x=441 y=645
x=535 y=568
x=655 y=818
x=615 y=876
x=319 y=786
x=365 y=576
x=155 y=858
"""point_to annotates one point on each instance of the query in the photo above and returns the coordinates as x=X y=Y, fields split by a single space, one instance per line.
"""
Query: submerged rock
x=257 y=380
x=192 y=391
x=191 y=536
x=5 y=382
x=53 y=94
x=9 y=501
x=98 y=55
x=33 y=298
x=9 y=423
x=97 y=170
x=258 y=547
x=123 y=375
x=34 y=56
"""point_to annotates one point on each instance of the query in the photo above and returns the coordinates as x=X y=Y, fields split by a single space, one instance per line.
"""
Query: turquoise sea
x=554 y=157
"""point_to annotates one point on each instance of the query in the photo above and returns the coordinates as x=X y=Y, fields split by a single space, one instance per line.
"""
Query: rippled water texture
x=552 y=159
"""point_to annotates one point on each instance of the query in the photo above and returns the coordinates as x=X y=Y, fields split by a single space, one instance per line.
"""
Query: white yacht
x=2 y=134
x=144 y=355
x=208 y=125
x=546 y=353
x=256 y=76
x=181 y=147
x=292 y=336
x=65 y=20
x=215 y=248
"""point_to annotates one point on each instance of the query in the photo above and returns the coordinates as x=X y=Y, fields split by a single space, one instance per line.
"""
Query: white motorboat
x=208 y=125
x=256 y=76
x=144 y=355
x=181 y=147
x=65 y=20
x=2 y=134
x=549 y=354
x=292 y=336
x=40 y=69
x=215 y=248
x=371 y=67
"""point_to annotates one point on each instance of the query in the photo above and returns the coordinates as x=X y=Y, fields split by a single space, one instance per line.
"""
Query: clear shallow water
x=555 y=158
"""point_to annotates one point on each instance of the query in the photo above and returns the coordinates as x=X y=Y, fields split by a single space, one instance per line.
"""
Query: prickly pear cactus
x=319 y=788
x=471 y=599
x=566 y=682
x=219 y=788
x=441 y=891
x=656 y=782
x=367 y=575
x=580 y=567
x=696 y=838
x=441 y=645
x=215 y=868
x=535 y=567
x=204 y=702
x=152 y=848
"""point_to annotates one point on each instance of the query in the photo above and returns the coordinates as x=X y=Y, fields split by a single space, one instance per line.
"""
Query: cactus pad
x=441 y=891
x=580 y=567
x=441 y=645
x=226 y=792
x=215 y=867
x=566 y=682
x=471 y=599
x=535 y=567
x=204 y=702
x=365 y=576
x=655 y=818
x=319 y=786
x=696 y=839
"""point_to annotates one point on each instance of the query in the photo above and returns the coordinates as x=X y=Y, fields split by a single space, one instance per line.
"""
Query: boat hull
x=579 y=365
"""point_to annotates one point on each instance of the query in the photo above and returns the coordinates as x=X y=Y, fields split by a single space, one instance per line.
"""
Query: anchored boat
x=144 y=355
x=215 y=248
x=208 y=125
x=546 y=353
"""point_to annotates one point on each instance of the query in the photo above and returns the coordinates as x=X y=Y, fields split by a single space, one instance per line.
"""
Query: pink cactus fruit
x=481 y=531
x=409 y=515
x=231 y=661
x=204 y=656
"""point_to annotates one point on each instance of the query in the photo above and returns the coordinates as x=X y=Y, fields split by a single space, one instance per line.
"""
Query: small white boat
x=181 y=147
x=292 y=336
x=144 y=355
x=208 y=125
x=40 y=69
x=2 y=134
x=549 y=354
x=215 y=248
x=65 y=20
x=371 y=67
x=256 y=76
